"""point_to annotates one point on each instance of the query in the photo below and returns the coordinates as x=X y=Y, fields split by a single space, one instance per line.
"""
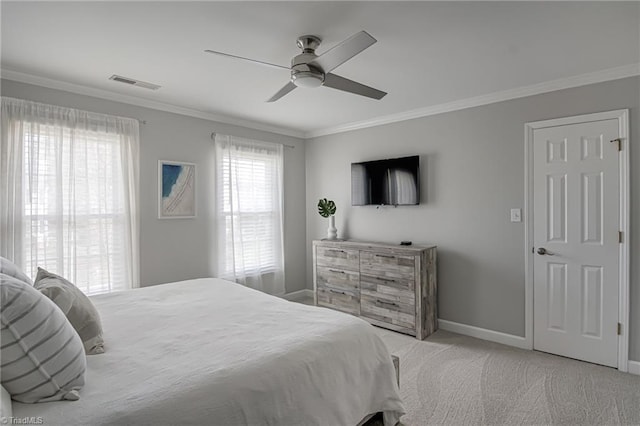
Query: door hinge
x=619 y=329
x=617 y=141
x=620 y=236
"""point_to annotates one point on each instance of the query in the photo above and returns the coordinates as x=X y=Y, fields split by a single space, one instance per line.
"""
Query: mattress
x=209 y=351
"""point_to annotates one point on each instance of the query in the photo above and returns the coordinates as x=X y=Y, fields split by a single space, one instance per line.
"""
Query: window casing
x=69 y=194
x=250 y=212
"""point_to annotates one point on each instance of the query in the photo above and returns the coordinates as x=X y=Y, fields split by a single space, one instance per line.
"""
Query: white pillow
x=80 y=311
x=7 y=267
x=5 y=406
x=42 y=355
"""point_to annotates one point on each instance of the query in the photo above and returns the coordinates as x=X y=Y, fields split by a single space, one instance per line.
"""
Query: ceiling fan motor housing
x=303 y=74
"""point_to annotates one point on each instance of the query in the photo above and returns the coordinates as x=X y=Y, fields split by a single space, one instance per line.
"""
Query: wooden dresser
x=390 y=286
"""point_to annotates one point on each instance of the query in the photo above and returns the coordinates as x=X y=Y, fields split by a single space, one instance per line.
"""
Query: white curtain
x=249 y=207
x=68 y=194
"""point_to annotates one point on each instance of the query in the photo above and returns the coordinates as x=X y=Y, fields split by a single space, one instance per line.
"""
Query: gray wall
x=180 y=249
x=472 y=175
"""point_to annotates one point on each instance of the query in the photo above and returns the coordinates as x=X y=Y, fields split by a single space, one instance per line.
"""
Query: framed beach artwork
x=176 y=190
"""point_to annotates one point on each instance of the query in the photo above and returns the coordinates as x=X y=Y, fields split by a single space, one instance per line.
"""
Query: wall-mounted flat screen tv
x=393 y=181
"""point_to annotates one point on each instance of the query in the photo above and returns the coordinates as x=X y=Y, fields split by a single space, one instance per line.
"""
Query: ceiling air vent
x=132 y=82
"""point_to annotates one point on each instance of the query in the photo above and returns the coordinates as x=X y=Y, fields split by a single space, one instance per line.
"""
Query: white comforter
x=212 y=352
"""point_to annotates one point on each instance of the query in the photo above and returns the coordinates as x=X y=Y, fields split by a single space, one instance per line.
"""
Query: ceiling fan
x=310 y=70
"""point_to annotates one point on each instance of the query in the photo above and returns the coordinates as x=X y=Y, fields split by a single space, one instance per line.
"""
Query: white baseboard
x=483 y=333
x=299 y=296
x=633 y=367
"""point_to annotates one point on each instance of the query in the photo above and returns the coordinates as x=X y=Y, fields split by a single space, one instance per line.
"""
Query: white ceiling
x=428 y=53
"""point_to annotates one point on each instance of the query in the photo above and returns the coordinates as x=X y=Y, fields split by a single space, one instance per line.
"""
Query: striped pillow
x=6 y=411
x=42 y=357
x=7 y=267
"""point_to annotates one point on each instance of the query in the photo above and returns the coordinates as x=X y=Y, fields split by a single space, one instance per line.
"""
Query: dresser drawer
x=394 y=286
x=388 y=265
x=339 y=299
x=341 y=279
x=338 y=258
x=388 y=309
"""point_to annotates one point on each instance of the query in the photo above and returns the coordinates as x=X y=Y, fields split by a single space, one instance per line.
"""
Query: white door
x=576 y=227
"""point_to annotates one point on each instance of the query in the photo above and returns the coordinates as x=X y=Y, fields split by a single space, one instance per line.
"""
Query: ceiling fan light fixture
x=312 y=71
x=307 y=79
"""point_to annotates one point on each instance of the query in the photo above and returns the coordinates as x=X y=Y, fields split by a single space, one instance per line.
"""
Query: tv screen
x=393 y=181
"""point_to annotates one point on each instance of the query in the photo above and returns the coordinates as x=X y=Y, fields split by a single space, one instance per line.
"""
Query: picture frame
x=176 y=190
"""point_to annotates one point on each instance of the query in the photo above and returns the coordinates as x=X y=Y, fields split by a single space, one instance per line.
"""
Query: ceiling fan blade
x=344 y=51
x=286 y=89
x=246 y=59
x=346 y=85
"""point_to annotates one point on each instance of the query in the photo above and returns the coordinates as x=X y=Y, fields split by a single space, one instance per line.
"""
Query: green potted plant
x=327 y=208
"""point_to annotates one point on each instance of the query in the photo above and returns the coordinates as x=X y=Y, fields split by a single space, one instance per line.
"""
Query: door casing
x=622 y=116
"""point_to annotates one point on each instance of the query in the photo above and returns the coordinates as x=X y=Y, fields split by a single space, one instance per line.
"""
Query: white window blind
x=77 y=198
x=249 y=176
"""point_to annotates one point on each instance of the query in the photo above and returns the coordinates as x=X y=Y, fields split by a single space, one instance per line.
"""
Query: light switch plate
x=516 y=215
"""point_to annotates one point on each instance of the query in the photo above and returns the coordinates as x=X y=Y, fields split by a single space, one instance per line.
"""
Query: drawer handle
x=337 y=292
x=336 y=271
x=382 y=302
x=386 y=256
x=389 y=280
x=336 y=251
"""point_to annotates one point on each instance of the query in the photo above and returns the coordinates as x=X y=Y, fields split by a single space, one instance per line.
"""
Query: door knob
x=542 y=251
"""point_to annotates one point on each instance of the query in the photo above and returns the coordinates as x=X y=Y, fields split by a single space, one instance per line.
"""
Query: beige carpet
x=450 y=379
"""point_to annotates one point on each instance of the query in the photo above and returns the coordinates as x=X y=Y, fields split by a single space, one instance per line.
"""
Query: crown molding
x=142 y=102
x=505 y=95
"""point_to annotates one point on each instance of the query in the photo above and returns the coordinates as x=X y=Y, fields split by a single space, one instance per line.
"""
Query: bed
x=209 y=351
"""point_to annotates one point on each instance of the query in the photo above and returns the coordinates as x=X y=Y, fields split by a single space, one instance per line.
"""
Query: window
x=249 y=206
x=75 y=213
